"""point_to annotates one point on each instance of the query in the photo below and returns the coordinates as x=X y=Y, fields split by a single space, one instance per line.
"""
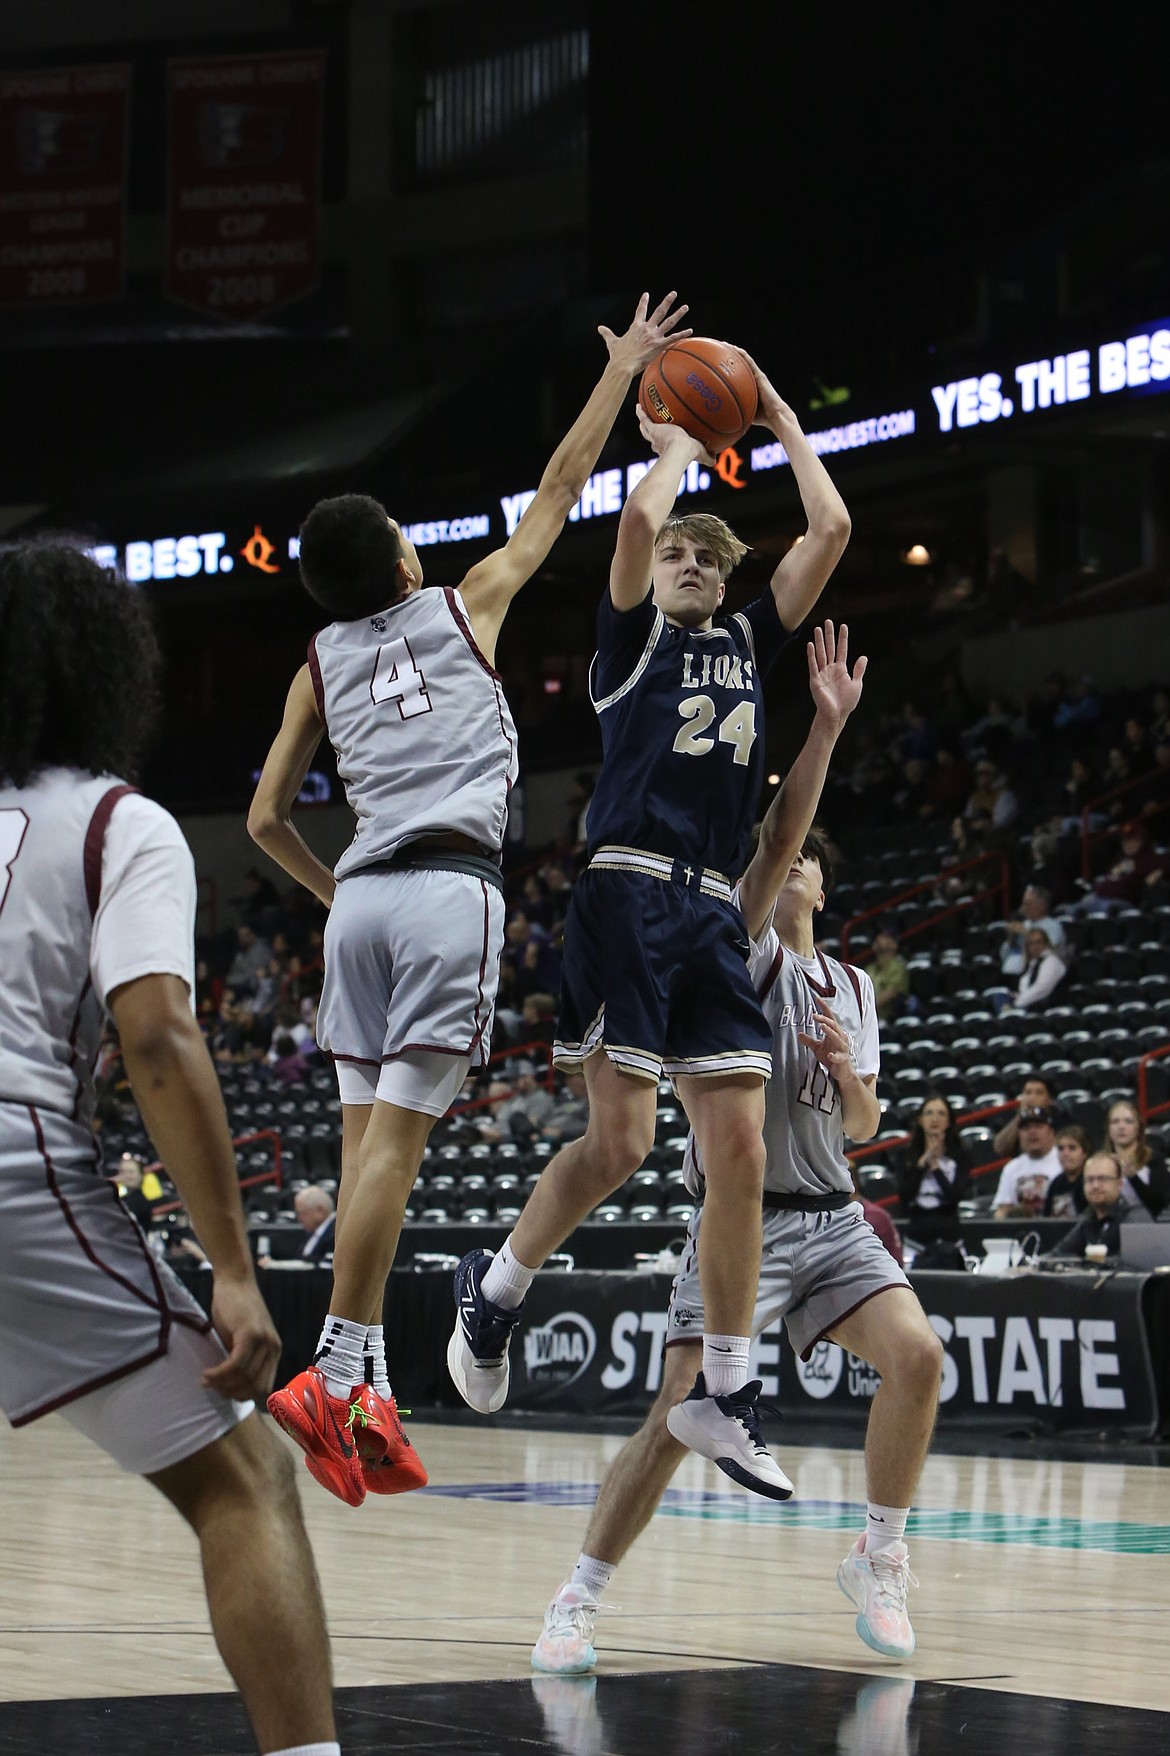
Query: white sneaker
x=566 y=1640
x=877 y=1584
x=727 y=1430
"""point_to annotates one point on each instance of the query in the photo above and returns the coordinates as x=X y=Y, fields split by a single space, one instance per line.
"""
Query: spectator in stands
x=1136 y=744
x=569 y=1115
x=288 y=1022
x=259 y=901
x=519 y=1116
x=1146 y=1179
x=138 y=1187
x=1154 y=795
x=538 y=1019
x=251 y=958
x=948 y=783
x=1105 y=1211
x=1042 y=974
x=1066 y=1193
x=1081 y=706
x=993 y=734
x=889 y=974
x=1072 y=794
x=961 y=847
x=288 y=1065
x=1035 y=911
x=316 y=1217
x=1124 y=884
x=1024 y=1180
x=1116 y=773
x=932 y=1174
x=1035 y=1094
x=992 y=804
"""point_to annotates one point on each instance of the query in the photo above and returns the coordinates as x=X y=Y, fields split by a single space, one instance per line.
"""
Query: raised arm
x=802 y=575
x=492 y=584
x=789 y=817
x=281 y=779
x=648 y=508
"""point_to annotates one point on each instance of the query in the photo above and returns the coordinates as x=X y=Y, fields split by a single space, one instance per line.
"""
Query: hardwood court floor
x=1038 y=1577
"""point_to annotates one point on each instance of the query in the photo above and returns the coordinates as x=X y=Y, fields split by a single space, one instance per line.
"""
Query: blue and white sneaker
x=477 y=1353
x=727 y=1430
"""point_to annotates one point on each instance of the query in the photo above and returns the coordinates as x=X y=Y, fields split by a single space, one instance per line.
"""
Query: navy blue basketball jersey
x=682 y=731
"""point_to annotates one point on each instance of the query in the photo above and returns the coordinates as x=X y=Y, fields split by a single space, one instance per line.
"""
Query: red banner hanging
x=243 y=201
x=63 y=183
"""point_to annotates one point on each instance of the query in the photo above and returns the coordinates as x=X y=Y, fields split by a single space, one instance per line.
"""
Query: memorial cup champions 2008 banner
x=63 y=183
x=244 y=178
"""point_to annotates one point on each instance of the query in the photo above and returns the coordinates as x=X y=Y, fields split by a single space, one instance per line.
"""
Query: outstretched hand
x=835 y=692
x=647 y=335
x=659 y=434
x=831 y=1048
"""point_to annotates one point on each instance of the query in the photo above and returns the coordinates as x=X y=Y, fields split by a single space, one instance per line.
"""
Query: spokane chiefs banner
x=62 y=183
x=243 y=200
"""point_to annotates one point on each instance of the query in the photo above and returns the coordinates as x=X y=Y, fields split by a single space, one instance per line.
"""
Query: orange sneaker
x=322 y=1426
x=390 y=1463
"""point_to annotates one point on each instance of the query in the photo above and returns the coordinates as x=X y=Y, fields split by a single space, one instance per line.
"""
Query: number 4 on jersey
x=397 y=678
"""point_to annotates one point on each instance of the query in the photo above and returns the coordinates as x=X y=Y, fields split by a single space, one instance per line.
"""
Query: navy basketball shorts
x=655 y=974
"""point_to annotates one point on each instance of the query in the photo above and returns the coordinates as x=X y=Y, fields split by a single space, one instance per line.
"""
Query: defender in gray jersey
x=403 y=681
x=97 y=915
x=823 y=1268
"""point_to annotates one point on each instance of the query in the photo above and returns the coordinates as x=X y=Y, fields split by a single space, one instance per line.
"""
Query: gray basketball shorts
x=91 y=1323
x=815 y=1270
x=412 y=962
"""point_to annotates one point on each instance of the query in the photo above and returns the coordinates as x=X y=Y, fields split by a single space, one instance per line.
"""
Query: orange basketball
x=706 y=387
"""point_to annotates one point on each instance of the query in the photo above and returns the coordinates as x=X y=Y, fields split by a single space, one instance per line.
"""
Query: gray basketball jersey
x=51 y=837
x=424 y=737
x=803 y=1133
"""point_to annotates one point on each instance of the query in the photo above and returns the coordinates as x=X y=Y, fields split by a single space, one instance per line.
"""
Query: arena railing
x=274 y=1176
x=1090 y=837
x=1145 y=1108
x=1002 y=887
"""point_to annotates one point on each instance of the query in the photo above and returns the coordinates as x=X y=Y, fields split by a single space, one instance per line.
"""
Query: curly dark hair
x=79 y=664
x=349 y=551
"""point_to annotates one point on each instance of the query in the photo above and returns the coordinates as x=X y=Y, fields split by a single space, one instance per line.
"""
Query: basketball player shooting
x=404 y=682
x=97 y=912
x=655 y=973
x=824 y=1270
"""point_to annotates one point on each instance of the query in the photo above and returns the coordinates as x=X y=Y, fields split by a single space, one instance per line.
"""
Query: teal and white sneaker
x=877 y=1584
x=566 y=1640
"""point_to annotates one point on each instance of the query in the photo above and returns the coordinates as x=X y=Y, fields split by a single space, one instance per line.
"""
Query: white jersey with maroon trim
x=424 y=738
x=804 y=1139
x=78 y=855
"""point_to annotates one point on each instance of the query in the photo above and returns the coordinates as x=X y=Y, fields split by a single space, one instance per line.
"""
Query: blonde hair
x=704 y=528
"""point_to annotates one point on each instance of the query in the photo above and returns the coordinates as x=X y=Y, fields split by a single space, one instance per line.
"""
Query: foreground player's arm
x=801 y=577
x=861 y=1113
x=178 y=1096
x=492 y=584
x=648 y=507
x=790 y=815
x=281 y=779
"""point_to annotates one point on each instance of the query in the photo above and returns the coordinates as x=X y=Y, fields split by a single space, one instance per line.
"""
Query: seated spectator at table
x=1024 y=1180
x=1035 y=1094
x=316 y=1217
x=1105 y=1211
x=138 y=1187
x=1035 y=911
x=569 y=1115
x=889 y=974
x=992 y=805
x=519 y=1116
x=1066 y=1193
x=932 y=1174
x=1124 y=885
x=1147 y=1182
x=1042 y=974
x=251 y=958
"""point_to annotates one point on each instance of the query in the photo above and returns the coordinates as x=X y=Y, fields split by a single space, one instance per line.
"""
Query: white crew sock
x=725 y=1363
x=307 y=1750
x=507 y=1280
x=339 y=1355
x=884 y=1525
x=593 y=1574
x=374 y=1360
